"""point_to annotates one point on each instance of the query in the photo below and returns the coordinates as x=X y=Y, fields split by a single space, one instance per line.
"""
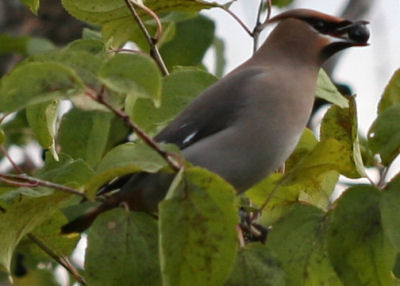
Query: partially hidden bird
x=245 y=125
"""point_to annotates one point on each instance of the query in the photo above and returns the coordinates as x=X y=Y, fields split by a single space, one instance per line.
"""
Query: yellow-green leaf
x=341 y=124
x=391 y=95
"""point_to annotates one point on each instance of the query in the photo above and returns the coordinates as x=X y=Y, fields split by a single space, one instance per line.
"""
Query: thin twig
x=17 y=184
x=237 y=19
x=127 y=50
x=4 y=116
x=269 y=10
x=382 y=180
x=159 y=32
x=154 y=52
x=260 y=26
x=62 y=260
x=258 y=23
x=175 y=164
x=15 y=180
x=15 y=166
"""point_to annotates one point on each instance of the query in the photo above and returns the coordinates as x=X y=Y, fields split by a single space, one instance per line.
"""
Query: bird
x=247 y=124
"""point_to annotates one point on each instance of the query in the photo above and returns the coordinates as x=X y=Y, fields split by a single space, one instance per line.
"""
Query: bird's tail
x=84 y=221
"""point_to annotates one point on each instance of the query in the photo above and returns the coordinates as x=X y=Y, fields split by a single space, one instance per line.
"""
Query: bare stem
x=127 y=51
x=258 y=23
x=61 y=259
x=24 y=180
x=175 y=164
x=382 y=180
x=15 y=166
x=260 y=26
x=154 y=52
x=156 y=18
x=237 y=19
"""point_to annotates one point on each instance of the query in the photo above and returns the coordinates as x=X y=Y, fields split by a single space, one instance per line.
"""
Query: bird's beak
x=353 y=33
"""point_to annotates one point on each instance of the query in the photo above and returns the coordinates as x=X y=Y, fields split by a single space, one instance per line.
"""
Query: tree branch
x=15 y=180
x=154 y=52
x=260 y=26
x=61 y=259
x=169 y=157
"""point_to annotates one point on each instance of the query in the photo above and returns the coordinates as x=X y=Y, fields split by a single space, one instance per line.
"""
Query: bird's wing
x=214 y=110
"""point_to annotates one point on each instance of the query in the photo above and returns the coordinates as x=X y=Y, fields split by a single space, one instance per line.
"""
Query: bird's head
x=321 y=31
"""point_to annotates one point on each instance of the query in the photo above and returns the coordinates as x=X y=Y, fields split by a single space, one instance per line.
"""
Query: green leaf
x=299 y=243
x=32 y=4
x=84 y=134
x=305 y=145
x=123 y=250
x=281 y=201
x=197 y=230
x=134 y=75
x=315 y=189
x=341 y=124
x=390 y=211
x=110 y=10
x=118 y=24
x=281 y=3
x=84 y=63
x=49 y=233
x=186 y=50
x=325 y=157
x=367 y=155
x=92 y=46
x=384 y=135
x=24 y=45
x=33 y=83
x=391 y=95
x=92 y=33
x=115 y=33
x=327 y=90
x=118 y=133
x=21 y=218
x=359 y=251
x=179 y=89
x=125 y=159
x=256 y=266
x=42 y=118
x=74 y=173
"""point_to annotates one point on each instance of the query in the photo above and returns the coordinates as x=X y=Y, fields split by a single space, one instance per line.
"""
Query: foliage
x=193 y=240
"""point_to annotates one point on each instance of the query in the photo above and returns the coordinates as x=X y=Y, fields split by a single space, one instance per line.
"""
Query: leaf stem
x=154 y=52
x=61 y=259
x=15 y=166
x=237 y=19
